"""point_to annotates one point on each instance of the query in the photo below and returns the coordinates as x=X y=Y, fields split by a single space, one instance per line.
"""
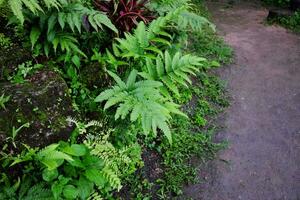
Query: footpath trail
x=263 y=122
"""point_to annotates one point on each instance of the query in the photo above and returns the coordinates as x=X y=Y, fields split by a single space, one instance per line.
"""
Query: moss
x=43 y=103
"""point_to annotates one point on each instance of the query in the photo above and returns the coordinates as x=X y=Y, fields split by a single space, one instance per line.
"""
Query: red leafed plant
x=125 y=14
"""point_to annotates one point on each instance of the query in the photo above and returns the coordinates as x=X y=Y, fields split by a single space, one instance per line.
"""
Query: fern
x=61 y=25
x=191 y=20
x=95 y=196
x=118 y=162
x=172 y=70
x=112 y=178
x=26 y=191
x=185 y=19
x=38 y=192
x=34 y=6
x=51 y=157
x=72 y=14
x=145 y=42
x=144 y=102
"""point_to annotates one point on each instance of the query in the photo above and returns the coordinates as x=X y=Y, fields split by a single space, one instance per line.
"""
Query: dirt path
x=263 y=123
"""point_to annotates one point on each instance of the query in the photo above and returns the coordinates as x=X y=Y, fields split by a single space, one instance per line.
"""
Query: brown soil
x=263 y=123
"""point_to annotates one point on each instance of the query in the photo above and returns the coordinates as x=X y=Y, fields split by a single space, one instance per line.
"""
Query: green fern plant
x=60 y=27
x=144 y=42
x=34 y=6
x=81 y=127
x=185 y=19
x=144 y=102
x=123 y=161
x=172 y=70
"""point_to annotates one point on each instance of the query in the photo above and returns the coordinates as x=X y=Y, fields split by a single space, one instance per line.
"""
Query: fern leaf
x=136 y=112
x=117 y=79
x=131 y=79
x=34 y=36
x=107 y=94
x=123 y=110
x=114 y=100
x=32 y=5
x=162 y=125
x=103 y=19
x=16 y=7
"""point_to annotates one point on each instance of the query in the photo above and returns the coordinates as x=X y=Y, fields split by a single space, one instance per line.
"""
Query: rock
x=44 y=102
x=278 y=12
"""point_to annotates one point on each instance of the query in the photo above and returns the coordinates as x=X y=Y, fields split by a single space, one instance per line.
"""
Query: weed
x=291 y=22
x=3 y=100
x=5 y=42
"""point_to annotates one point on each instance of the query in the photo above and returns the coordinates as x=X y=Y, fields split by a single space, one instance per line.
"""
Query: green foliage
x=191 y=20
x=81 y=128
x=60 y=25
x=15 y=132
x=186 y=18
x=71 y=170
x=26 y=191
x=99 y=156
x=211 y=46
x=145 y=102
x=34 y=6
x=291 y=22
x=24 y=70
x=119 y=162
x=140 y=44
x=5 y=42
x=172 y=70
x=187 y=144
x=280 y=3
x=3 y=100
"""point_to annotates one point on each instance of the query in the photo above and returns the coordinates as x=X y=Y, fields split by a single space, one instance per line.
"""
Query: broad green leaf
x=85 y=187
x=96 y=176
x=51 y=22
x=70 y=192
x=131 y=78
x=75 y=150
x=50 y=175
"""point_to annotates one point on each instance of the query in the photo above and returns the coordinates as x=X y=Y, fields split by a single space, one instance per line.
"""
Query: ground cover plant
x=292 y=21
x=289 y=22
x=139 y=85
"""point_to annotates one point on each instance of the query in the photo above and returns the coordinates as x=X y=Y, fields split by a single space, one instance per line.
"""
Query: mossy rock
x=44 y=102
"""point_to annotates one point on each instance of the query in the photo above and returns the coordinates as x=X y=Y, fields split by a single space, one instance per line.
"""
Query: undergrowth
x=290 y=22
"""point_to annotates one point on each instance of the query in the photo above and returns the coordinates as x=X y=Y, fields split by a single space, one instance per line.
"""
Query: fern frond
x=139 y=45
x=34 y=6
x=191 y=20
x=112 y=178
x=173 y=70
x=141 y=100
x=95 y=196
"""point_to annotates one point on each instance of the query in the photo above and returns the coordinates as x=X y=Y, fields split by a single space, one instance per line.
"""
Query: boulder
x=44 y=102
